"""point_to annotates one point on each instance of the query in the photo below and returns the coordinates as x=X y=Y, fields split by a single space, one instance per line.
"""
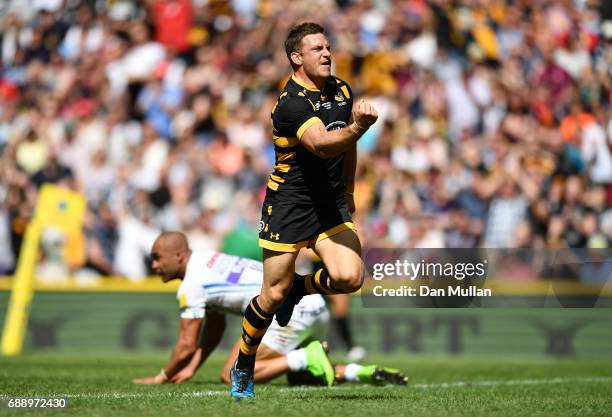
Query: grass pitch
x=99 y=385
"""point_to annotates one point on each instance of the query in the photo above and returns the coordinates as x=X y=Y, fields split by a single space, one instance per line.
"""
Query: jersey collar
x=308 y=87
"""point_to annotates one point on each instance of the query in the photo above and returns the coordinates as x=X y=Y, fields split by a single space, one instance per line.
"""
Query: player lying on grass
x=214 y=284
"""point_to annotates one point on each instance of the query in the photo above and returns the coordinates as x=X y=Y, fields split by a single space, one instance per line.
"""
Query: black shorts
x=288 y=226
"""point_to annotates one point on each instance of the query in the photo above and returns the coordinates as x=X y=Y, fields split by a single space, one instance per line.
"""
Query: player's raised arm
x=211 y=335
x=327 y=144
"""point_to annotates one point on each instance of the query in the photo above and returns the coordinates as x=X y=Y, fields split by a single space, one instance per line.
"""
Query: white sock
x=350 y=372
x=296 y=359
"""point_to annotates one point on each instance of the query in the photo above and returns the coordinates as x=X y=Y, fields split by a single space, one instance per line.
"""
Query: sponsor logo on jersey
x=237 y=271
x=212 y=260
x=338 y=124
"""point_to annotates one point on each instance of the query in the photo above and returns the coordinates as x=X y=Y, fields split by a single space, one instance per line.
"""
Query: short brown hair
x=297 y=33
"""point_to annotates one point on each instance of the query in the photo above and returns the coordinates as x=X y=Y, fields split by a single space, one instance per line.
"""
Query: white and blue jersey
x=227 y=284
x=218 y=282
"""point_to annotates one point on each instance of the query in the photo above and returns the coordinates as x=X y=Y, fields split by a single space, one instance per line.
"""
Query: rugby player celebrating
x=309 y=197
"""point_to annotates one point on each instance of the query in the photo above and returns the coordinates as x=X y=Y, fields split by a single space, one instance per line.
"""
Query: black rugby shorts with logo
x=287 y=225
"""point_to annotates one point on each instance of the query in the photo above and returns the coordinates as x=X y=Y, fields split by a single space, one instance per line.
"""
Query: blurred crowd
x=495 y=125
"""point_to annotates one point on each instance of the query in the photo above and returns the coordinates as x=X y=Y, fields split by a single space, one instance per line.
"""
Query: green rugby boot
x=318 y=363
x=375 y=375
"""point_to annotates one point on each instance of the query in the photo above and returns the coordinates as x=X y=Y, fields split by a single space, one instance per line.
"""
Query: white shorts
x=310 y=320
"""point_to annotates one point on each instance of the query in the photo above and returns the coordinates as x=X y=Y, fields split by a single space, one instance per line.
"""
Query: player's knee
x=274 y=296
x=349 y=279
x=278 y=294
x=350 y=284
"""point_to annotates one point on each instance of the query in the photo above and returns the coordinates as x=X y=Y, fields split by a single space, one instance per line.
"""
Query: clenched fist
x=364 y=116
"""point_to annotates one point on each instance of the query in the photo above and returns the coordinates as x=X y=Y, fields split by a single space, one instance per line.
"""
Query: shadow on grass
x=336 y=396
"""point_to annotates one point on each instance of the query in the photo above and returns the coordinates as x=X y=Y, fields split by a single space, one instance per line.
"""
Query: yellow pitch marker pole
x=22 y=293
x=56 y=207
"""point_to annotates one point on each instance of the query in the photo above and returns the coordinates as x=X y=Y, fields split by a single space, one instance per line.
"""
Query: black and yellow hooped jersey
x=308 y=177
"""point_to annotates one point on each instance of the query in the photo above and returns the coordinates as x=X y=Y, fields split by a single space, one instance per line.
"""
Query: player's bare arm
x=327 y=144
x=214 y=328
x=184 y=349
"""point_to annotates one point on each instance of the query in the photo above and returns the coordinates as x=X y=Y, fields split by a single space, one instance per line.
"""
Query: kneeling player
x=214 y=284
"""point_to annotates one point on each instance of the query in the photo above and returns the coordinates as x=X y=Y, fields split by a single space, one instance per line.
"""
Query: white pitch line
x=454 y=384
x=477 y=383
x=497 y=383
x=124 y=395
